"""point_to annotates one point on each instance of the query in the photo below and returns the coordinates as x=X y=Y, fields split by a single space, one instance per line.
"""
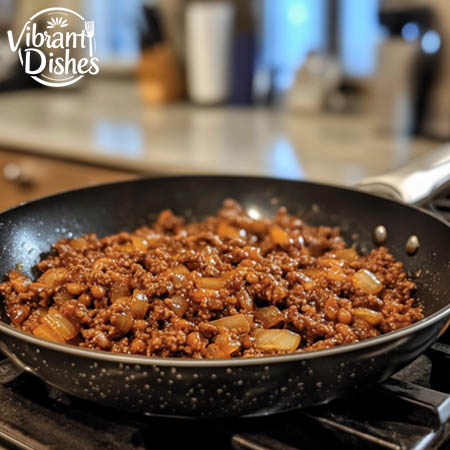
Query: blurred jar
x=209 y=30
x=393 y=93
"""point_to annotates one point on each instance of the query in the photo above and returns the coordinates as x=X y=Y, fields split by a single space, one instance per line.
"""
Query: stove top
x=409 y=411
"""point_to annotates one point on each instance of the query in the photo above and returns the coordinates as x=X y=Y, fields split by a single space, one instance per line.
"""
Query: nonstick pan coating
x=237 y=387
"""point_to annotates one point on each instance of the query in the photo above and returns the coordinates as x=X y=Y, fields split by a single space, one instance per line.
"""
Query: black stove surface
x=403 y=413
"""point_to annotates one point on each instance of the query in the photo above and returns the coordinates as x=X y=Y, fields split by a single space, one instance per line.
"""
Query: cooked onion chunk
x=276 y=340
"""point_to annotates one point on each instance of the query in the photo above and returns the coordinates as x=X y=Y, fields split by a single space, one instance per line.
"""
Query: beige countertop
x=106 y=123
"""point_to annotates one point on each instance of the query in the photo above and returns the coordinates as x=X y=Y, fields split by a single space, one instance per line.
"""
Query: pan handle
x=414 y=183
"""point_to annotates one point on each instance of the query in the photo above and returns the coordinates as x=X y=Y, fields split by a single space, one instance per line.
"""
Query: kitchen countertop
x=105 y=122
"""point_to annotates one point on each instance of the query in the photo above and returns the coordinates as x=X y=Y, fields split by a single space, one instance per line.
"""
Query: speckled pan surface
x=240 y=386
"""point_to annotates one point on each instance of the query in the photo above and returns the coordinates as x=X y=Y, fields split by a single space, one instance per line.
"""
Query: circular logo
x=56 y=47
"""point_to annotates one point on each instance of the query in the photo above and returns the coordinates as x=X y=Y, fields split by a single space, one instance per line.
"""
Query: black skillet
x=237 y=387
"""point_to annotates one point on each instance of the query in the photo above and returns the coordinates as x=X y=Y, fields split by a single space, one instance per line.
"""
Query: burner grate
x=404 y=413
x=396 y=415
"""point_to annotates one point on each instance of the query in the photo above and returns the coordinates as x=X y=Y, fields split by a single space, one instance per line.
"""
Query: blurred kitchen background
x=324 y=90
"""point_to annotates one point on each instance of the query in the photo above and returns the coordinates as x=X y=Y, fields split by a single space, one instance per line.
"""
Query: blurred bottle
x=243 y=54
x=159 y=74
x=209 y=31
x=394 y=93
x=435 y=43
x=402 y=107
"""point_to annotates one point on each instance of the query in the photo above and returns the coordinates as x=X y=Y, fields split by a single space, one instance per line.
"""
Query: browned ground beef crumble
x=228 y=286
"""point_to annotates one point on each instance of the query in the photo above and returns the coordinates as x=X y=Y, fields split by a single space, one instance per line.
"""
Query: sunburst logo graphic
x=50 y=47
x=57 y=22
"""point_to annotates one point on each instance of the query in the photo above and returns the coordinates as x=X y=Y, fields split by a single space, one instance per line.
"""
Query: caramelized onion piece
x=346 y=331
x=178 y=275
x=19 y=281
x=257 y=226
x=237 y=322
x=39 y=313
x=276 y=340
x=336 y=274
x=98 y=291
x=64 y=328
x=54 y=277
x=270 y=316
x=244 y=299
x=85 y=299
x=346 y=254
x=278 y=235
x=44 y=331
x=139 y=243
x=78 y=243
x=19 y=313
x=75 y=288
x=123 y=322
x=178 y=279
x=126 y=247
x=139 y=304
x=373 y=317
x=307 y=282
x=210 y=283
x=62 y=297
x=227 y=343
x=101 y=340
x=309 y=285
x=180 y=270
x=367 y=282
x=330 y=262
x=213 y=351
x=123 y=301
x=331 y=308
x=101 y=263
x=344 y=316
x=313 y=273
x=237 y=272
x=118 y=290
x=178 y=305
x=225 y=230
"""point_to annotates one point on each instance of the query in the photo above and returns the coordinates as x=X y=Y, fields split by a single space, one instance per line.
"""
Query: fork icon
x=90 y=30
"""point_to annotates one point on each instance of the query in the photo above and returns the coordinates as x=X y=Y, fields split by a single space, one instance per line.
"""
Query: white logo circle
x=48 y=56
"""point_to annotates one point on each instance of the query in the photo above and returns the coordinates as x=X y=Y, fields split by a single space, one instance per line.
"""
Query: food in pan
x=228 y=286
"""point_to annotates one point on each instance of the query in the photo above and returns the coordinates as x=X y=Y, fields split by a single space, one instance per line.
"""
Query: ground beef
x=229 y=286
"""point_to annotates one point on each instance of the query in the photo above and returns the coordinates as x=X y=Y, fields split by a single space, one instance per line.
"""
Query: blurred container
x=394 y=92
x=209 y=32
x=316 y=81
x=159 y=73
x=243 y=54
